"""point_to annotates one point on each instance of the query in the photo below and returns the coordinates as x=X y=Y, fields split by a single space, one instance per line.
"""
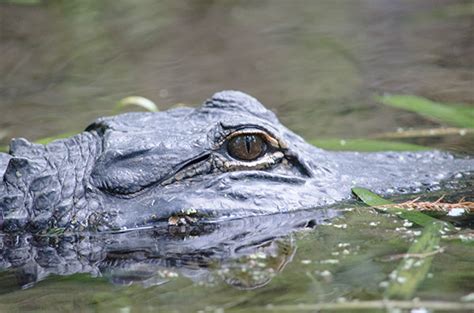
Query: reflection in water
x=256 y=269
x=245 y=253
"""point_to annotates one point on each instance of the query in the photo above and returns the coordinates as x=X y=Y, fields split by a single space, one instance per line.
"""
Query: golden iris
x=246 y=147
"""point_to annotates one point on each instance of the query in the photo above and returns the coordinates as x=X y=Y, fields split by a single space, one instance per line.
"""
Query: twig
x=425 y=133
x=437 y=205
x=395 y=257
x=378 y=304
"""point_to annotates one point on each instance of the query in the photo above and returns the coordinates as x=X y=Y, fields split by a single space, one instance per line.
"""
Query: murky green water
x=317 y=64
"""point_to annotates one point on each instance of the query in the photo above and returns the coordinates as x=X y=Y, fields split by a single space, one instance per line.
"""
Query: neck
x=42 y=184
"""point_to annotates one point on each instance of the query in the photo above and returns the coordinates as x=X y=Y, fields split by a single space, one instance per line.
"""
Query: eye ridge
x=247 y=147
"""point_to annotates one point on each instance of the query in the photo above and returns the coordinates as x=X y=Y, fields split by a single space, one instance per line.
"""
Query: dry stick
x=426 y=132
x=437 y=206
x=380 y=304
x=395 y=257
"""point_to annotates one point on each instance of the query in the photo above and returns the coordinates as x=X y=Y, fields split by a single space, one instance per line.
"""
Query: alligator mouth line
x=267 y=176
x=194 y=167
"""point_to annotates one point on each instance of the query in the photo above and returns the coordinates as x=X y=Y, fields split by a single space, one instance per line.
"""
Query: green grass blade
x=411 y=272
x=365 y=145
x=450 y=114
x=371 y=199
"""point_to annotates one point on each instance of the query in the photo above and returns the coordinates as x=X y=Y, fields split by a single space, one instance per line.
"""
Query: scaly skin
x=137 y=169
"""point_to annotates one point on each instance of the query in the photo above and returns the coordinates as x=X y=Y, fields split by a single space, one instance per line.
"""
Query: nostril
x=311 y=224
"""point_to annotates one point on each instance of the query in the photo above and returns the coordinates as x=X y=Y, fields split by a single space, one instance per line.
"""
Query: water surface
x=317 y=64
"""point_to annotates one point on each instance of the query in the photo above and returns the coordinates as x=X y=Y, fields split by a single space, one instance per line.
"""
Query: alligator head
x=229 y=158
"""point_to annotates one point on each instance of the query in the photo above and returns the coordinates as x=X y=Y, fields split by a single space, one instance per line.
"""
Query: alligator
x=229 y=158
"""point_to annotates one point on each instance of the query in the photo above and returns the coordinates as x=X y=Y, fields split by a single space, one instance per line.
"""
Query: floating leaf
x=367 y=145
x=451 y=114
x=137 y=101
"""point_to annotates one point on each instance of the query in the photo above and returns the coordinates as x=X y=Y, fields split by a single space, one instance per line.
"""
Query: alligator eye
x=246 y=147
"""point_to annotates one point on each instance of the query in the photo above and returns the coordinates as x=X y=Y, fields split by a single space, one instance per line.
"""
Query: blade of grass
x=371 y=199
x=411 y=272
x=366 y=145
x=137 y=101
x=450 y=114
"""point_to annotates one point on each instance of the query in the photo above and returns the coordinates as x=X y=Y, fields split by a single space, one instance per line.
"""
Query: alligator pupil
x=246 y=147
